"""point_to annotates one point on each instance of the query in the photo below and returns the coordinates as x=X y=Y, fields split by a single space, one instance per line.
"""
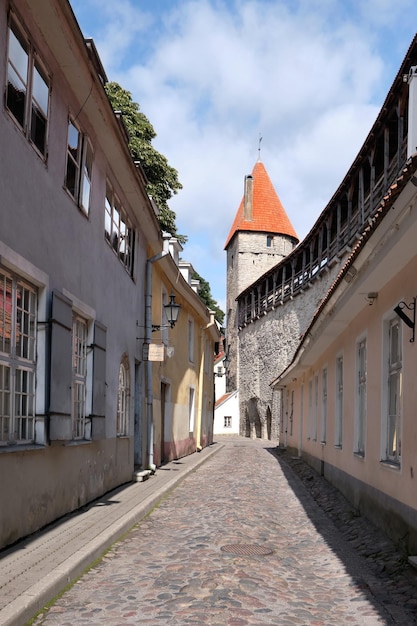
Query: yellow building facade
x=180 y=384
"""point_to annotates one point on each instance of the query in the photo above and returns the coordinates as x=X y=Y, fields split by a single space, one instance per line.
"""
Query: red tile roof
x=223 y=398
x=269 y=215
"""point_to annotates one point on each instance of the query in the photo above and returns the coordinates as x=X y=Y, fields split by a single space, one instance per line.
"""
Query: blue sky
x=212 y=76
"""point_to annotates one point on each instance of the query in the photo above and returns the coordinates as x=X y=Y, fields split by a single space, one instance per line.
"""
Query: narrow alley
x=241 y=541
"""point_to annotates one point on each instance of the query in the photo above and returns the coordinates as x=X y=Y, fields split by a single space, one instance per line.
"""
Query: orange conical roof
x=268 y=214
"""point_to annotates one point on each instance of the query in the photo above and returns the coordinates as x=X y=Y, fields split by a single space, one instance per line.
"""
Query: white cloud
x=212 y=75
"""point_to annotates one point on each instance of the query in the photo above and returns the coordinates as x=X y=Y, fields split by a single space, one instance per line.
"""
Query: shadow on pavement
x=377 y=567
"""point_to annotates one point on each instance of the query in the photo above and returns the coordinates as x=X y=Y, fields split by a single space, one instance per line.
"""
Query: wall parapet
x=341 y=223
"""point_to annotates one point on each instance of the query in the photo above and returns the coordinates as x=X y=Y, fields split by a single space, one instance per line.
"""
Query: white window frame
x=338 y=426
x=118 y=229
x=79 y=378
x=123 y=399
x=310 y=410
x=191 y=356
x=291 y=416
x=79 y=167
x=227 y=421
x=391 y=429
x=323 y=432
x=301 y=420
x=18 y=360
x=315 y=406
x=164 y=323
x=360 y=397
x=29 y=78
x=191 y=409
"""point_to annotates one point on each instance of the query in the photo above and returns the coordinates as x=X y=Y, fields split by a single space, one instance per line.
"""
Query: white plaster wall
x=40 y=223
x=228 y=408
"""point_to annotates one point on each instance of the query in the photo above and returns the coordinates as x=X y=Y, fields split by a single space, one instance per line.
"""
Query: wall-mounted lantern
x=410 y=321
x=172 y=310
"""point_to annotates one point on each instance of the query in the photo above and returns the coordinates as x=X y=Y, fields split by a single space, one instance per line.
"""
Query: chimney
x=248 y=199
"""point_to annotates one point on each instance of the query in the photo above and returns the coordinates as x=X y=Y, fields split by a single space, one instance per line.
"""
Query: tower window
x=269 y=241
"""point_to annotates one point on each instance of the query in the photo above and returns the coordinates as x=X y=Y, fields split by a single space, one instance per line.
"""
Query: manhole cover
x=246 y=549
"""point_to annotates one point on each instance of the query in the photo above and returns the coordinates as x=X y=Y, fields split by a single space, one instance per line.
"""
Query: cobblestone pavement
x=323 y=564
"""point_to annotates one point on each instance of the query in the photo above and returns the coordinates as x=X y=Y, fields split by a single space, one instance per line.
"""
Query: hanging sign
x=153 y=352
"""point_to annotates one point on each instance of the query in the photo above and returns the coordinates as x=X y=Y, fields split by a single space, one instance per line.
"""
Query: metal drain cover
x=246 y=549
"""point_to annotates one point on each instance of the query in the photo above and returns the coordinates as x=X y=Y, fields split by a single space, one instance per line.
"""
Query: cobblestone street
x=252 y=537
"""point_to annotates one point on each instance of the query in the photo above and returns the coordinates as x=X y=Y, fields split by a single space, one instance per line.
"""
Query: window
x=191 y=409
x=394 y=392
x=79 y=167
x=18 y=305
x=291 y=418
x=123 y=400
x=315 y=406
x=79 y=381
x=323 y=406
x=191 y=340
x=339 y=403
x=227 y=421
x=360 y=422
x=119 y=231
x=269 y=240
x=27 y=95
x=310 y=410
x=164 y=325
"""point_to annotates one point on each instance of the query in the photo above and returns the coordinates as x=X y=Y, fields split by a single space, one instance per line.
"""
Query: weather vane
x=259 y=147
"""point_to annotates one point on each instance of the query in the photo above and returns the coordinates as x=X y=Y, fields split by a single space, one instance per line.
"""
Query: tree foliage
x=205 y=294
x=162 y=179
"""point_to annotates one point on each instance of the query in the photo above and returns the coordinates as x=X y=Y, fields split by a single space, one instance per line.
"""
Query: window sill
x=78 y=442
x=390 y=464
x=359 y=455
x=24 y=447
x=337 y=446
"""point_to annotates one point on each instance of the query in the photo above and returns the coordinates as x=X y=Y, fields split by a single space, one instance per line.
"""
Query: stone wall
x=266 y=347
x=248 y=257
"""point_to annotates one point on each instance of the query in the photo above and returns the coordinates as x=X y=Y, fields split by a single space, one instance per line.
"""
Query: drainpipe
x=201 y=391
x=201 y=378
x=148 y=335
x=412 y=111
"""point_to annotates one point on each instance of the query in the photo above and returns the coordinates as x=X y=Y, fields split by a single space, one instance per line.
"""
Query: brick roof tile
x=269 y=215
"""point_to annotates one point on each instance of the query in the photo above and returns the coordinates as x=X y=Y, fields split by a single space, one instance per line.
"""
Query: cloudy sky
x=213 y=76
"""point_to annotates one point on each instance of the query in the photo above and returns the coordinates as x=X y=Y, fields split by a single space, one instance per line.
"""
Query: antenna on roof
x=259 y=147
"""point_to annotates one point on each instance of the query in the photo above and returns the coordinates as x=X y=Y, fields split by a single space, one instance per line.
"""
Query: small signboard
x=153 y=352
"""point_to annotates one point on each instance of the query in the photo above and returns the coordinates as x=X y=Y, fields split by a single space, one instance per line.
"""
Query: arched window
x=123 y=400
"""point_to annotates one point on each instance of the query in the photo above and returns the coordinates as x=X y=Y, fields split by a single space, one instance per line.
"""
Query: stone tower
x=260 y=237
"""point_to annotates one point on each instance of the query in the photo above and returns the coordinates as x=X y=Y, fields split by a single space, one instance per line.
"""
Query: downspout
x=199 y=447
x=148 y=335
x=201 y=379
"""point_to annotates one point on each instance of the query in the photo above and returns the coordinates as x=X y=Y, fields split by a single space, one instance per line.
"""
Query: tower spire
x=267 y=215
